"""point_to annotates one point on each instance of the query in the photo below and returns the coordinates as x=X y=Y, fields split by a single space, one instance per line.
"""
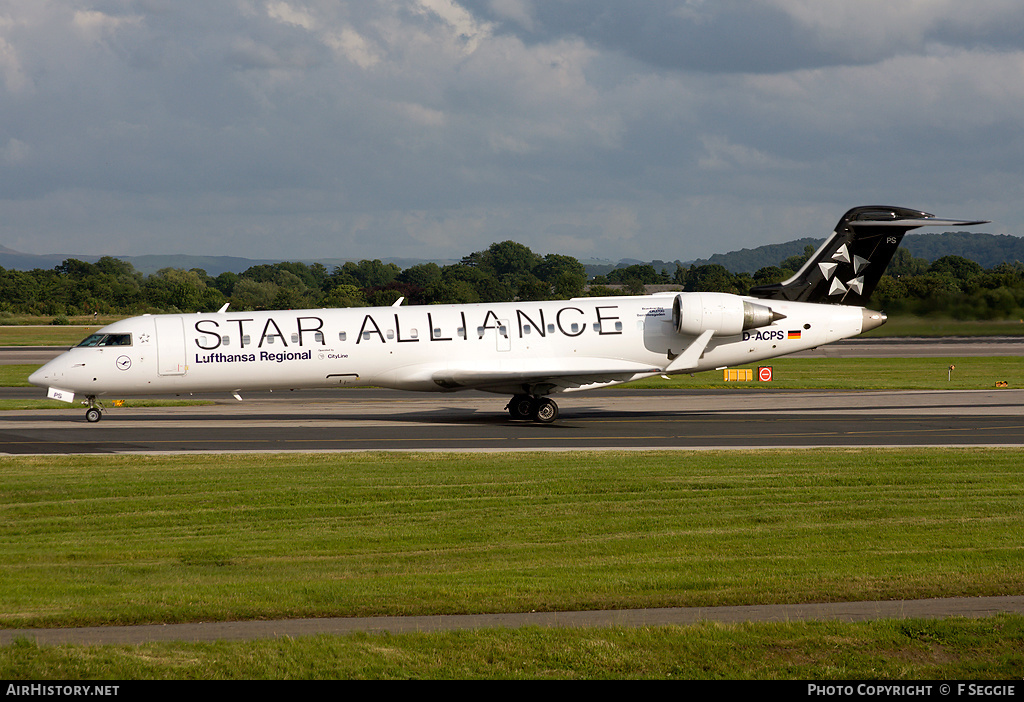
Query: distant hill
x=986 y=249
x=15 y=260
x=989 y=250
x=752 y=260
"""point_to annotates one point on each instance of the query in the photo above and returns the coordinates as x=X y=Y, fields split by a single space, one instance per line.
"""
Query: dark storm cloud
x=745 y=36
x=723 y=36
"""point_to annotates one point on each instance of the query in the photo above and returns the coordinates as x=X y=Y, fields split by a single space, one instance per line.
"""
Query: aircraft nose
x=42 y=376
x=38 y=377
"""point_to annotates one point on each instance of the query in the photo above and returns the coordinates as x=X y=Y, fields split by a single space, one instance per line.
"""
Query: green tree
x=175 y=289
x=367 y=274
x=956 y=266
x=508 y=260
x=422 y=275
x=345 y=296
x=710 y=277
x=903 y=263
x=768 y=275
x=249 y=294
x=644 y=272
x=564 y=276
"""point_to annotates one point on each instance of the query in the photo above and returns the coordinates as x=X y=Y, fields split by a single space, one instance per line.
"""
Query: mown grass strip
x=911 y=326
x=44 y=335
x=134 y=539
x=914 y=650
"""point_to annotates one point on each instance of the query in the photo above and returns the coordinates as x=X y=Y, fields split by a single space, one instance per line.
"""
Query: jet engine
x=721 y=313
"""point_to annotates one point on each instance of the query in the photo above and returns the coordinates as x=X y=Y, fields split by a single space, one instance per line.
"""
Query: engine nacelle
x=722 y=313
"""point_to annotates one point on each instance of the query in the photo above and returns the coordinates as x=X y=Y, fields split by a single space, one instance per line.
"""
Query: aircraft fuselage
x=502 y=347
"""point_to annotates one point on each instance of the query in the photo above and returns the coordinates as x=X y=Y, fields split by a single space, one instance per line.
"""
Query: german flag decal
x=794 y=334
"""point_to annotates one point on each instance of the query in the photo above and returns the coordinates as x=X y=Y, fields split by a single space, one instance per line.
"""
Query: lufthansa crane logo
x=124 y=363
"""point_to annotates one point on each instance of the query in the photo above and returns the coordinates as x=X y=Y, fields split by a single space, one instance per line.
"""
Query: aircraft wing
x=543 y=376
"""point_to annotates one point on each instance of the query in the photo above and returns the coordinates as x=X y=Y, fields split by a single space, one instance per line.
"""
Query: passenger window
x=342 y=336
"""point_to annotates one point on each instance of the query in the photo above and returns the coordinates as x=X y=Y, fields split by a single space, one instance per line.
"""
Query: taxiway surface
x=367 y=419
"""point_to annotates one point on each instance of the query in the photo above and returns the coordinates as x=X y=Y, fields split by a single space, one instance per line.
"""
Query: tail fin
x=847 y=267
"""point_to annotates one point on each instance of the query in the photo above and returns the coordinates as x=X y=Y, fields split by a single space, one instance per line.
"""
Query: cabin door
x=170 y=349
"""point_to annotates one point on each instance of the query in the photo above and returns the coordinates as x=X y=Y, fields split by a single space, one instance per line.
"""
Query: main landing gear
x=539 y=409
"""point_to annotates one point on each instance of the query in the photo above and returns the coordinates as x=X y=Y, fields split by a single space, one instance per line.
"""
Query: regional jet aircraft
x=528 y=350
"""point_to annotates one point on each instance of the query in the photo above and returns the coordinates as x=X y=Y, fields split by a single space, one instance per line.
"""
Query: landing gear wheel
x=93 y=415
x=546 y=411
x=520 y=407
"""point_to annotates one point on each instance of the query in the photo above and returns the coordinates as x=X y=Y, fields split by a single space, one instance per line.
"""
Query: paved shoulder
x=676 y=616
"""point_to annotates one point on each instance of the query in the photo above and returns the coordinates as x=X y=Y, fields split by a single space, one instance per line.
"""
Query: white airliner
x=529 y=350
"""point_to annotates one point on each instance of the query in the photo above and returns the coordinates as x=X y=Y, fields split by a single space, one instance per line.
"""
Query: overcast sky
x=651 y=129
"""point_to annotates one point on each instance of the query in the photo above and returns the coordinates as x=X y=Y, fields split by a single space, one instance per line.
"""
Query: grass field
x=987 y=649
x=44 y=335
x=122 y=539
x=903 y=325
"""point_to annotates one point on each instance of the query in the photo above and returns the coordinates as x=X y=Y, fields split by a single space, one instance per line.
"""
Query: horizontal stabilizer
x=922 y=222
x=848 y=266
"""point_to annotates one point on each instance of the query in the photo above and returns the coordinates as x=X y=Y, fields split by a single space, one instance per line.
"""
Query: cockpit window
x=93 y=340
x=107 y=340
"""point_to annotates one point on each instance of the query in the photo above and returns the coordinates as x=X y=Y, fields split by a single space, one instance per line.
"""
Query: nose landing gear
x=95 y=411
x=540 y=409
